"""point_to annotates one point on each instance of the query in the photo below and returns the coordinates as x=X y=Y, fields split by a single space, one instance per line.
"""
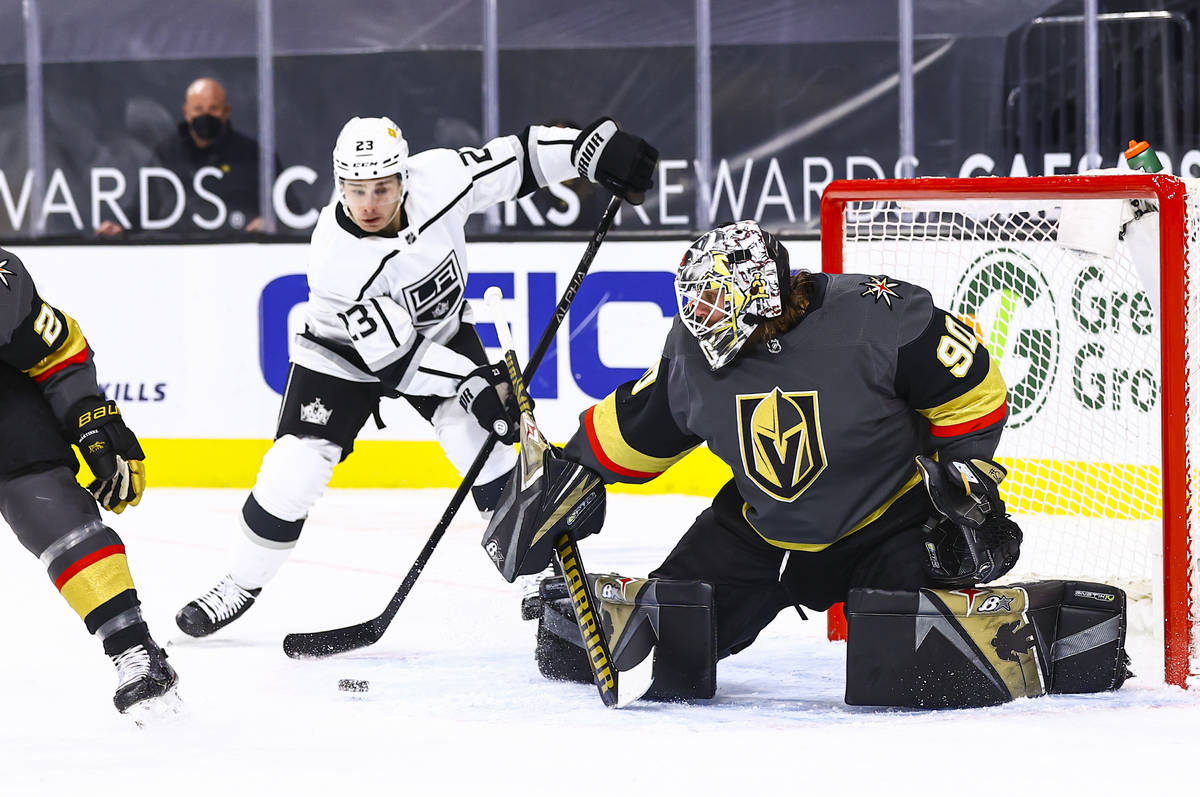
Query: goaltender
x=831 y=397
x=860 y=421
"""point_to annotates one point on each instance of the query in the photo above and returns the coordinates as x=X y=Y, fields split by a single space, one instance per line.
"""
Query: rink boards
x=192 y=341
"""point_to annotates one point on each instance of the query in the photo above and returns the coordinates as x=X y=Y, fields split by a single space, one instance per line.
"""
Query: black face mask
x=207 y=127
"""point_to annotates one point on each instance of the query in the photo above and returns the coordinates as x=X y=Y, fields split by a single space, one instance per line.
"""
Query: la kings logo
x=315 y=412
x=780 y=438
x=437 y=294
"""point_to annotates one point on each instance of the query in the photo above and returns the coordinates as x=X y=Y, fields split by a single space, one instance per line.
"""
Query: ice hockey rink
x=455 y=700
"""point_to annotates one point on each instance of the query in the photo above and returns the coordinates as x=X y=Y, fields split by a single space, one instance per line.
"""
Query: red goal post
x=1126 y=390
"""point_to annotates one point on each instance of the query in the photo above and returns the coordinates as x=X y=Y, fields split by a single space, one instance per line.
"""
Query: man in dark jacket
x=216 y=190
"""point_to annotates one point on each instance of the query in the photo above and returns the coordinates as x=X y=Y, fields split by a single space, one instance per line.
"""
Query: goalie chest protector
x=983 y=646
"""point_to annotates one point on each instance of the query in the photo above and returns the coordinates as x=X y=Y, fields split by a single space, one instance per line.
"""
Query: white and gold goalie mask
x=727 y=284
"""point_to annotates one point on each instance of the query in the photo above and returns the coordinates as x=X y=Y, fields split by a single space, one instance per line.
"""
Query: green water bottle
x=1139 y=155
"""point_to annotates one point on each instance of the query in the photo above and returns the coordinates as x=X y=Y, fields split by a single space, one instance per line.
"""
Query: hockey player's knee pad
x=41 y=507
x=461 y=437
x=674 y=619
x=294 y=474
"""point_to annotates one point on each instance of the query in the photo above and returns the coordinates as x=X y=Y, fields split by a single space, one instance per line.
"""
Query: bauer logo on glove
x=111 y=451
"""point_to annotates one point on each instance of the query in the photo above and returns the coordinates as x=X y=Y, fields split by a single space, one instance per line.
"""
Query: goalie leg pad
x=675 y=618
x=965 y=648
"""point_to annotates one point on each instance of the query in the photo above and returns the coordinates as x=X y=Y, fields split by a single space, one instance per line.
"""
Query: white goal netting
x=1080 y=340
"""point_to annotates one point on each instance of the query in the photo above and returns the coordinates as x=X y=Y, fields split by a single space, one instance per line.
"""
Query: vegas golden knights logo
x=780 y=435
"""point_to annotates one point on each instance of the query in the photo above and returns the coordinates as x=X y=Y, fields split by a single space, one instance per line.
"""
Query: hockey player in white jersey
x=386 y=318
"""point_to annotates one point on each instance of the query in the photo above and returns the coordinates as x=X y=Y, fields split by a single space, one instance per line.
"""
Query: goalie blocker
x=969 y=647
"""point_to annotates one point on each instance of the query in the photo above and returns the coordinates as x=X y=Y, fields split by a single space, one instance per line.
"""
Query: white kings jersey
x=382 y=307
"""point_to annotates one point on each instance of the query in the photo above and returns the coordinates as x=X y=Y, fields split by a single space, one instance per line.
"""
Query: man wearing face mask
x=221 y=199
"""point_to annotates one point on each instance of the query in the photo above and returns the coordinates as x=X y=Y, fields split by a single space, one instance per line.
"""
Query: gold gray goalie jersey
x=820 y=425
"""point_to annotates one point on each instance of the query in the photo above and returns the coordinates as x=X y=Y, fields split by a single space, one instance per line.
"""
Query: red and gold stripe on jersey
x=978 y=408
x=611 y=449
x=72 y=350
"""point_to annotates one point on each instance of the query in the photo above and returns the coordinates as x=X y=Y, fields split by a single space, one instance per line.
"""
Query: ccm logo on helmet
x=368 y=148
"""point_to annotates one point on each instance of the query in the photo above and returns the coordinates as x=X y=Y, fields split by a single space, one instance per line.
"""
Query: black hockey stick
x=319 y=644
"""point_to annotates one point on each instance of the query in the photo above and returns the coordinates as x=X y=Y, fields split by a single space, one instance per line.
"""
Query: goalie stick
x=583 y=599
x=318 y=644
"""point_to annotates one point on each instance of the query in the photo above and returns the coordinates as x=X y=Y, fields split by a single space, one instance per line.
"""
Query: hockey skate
x=145 y=683
x=216 y=608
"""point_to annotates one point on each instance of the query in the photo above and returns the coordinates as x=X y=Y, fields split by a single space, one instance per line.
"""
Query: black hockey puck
x=352 y=685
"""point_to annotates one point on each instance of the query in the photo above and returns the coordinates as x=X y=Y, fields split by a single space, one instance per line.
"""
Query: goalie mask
x=730 y=281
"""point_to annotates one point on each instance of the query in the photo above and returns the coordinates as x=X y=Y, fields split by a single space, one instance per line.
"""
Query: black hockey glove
x=486 y=394
x=111 y=450
x=971 y=539
x=622 y=163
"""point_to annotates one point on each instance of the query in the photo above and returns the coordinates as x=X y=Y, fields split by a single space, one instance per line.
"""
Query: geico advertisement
x=192 y=341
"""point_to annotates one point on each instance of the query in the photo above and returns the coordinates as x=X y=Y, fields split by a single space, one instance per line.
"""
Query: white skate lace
x=132 y=663
x=223 y=601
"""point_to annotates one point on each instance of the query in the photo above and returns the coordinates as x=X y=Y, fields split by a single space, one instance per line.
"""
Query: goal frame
x=1170 y=193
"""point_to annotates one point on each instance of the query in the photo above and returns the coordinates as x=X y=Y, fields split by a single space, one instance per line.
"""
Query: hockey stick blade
x=636 y=682
x=318 y=644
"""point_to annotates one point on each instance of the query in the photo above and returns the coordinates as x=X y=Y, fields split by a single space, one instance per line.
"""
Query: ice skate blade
x=162 y=710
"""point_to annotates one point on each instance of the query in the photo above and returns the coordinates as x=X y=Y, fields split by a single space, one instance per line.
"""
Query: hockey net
x=1101 y=437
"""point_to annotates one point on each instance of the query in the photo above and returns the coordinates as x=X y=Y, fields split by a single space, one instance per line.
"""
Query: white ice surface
x=456 y=703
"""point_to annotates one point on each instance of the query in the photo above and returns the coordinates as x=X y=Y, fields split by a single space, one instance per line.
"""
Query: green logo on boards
x=1005 y=298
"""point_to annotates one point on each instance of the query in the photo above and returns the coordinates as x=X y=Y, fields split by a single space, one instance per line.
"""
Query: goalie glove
x=545 y=497
x=111 y=451
x=971 y=539
x=622 y=163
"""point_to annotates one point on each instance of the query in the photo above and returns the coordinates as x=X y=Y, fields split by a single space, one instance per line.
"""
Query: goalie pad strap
x=1088 y=639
